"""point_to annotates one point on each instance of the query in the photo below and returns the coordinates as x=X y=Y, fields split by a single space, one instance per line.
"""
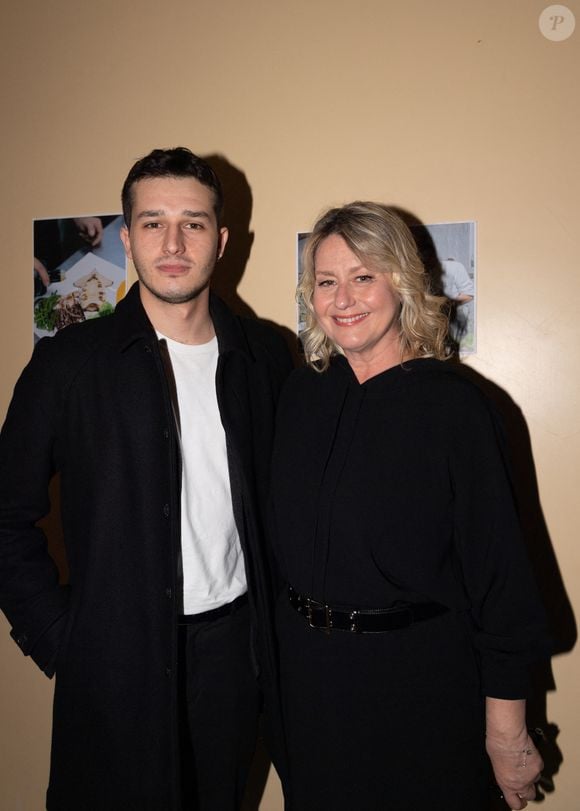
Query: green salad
x=45 y=313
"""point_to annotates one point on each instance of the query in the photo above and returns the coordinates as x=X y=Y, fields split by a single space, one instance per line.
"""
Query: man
x=456 y=282
x=459 y=288
x=159 y=420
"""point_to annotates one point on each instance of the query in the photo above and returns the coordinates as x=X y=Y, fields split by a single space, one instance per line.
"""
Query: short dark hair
x=176 y=162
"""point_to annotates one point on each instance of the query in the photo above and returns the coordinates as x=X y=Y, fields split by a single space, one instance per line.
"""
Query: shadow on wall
x=561 y=620
x=428 y=253
x=237 y=216
x=232 y=266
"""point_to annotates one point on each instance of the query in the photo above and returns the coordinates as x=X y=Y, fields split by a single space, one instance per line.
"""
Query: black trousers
x=219 y=705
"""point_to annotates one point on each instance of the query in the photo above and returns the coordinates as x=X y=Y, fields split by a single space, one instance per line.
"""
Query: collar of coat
x=132 y=323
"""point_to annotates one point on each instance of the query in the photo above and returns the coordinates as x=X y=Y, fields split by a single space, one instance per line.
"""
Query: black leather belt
x=214 y=613
x=362 y=621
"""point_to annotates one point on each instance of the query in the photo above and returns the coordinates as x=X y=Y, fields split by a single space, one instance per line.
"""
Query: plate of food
x=90 y=289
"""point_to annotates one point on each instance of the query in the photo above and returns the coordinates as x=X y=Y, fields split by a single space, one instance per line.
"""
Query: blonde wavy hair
x=383 y=243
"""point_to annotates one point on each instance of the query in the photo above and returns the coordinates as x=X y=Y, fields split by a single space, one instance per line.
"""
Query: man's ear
x=124 y=233
x=222 y=241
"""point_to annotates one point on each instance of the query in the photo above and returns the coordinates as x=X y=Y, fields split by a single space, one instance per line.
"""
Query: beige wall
x=449 y=109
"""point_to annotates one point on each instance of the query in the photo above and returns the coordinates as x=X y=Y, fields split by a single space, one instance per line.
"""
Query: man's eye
x=194 y=226
x=151 y=225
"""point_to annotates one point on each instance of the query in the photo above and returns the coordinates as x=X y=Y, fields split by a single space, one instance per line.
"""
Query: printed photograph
x=79 y=270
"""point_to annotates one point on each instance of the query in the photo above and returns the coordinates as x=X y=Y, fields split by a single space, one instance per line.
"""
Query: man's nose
x=173 y=241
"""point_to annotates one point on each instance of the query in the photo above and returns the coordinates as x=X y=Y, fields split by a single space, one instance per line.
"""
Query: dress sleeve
x=30 y=595
x=509 y=620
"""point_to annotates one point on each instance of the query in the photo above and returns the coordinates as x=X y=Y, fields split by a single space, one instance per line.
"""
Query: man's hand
x=90 y=229
x=42 y=272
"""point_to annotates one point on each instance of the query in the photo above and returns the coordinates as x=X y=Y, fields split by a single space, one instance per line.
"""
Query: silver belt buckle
x=327 y=627
x=327 y=619
x=352 y=617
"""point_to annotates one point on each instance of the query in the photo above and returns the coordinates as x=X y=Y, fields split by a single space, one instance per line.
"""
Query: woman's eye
x=364 y=277
x=325 y=283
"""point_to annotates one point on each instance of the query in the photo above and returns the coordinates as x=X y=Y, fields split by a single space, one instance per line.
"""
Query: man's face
x=174 y=239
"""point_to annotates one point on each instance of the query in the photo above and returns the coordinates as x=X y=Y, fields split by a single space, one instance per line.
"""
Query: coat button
x=22 y=640
x=168 y=593
x=166 y=433
x=166 y=510
x=168 y=672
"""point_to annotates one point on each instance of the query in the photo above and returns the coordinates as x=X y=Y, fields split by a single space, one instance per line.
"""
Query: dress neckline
x=392 y=373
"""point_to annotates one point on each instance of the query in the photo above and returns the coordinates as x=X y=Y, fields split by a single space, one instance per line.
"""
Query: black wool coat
x=94 y=405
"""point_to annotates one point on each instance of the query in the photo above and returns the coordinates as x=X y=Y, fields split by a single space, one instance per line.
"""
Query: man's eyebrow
x=147 y=213
x=188 y=213
x=150 y=213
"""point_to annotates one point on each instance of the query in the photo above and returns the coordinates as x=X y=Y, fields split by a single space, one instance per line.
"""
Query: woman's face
x=356 y=307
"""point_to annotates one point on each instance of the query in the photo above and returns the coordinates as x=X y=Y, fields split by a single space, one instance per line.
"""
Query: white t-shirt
x=213 y=563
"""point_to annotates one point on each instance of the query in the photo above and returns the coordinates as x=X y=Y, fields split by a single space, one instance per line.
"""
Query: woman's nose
x=343 y=296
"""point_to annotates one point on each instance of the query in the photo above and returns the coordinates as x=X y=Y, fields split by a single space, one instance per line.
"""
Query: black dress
x=392 y=490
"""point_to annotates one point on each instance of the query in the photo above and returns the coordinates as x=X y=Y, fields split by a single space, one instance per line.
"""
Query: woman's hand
x=516 y=762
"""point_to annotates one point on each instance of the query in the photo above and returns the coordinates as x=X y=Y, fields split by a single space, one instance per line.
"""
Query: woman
x=410 y=613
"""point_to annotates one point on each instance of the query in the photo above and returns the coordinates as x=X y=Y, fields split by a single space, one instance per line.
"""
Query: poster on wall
x=79 y=270
x=448 y=253
x=301 y=313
